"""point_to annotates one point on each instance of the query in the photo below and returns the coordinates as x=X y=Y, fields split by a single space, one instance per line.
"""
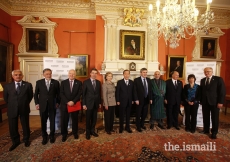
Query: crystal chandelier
x=177 y=20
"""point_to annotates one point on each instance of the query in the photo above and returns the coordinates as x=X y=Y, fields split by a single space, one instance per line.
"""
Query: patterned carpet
x=144 y=147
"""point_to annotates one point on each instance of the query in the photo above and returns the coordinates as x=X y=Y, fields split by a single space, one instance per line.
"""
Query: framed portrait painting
x=6 y=57
x=176 y=63
x=132 y=45
x=36 y=40
x=208 y=47
x=81 y=66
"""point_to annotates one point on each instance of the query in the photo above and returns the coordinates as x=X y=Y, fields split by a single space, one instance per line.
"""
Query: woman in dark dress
x=191 y=103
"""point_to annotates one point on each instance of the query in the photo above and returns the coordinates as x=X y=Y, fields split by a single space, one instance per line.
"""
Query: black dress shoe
x=161 y=126
x=213 y=136
x=129 y=130
x=64 y=138
x=144 y=127
x=139 y=130
x=44 y=140
x=177 y=128
x=204 y=132
x=52 y=139
x=27 y=143
x=168 y=127
x=151 y=126
x=76 y=136
x=108 y=132
x=14 y=146
x=112 y=131
x=192 y=131
x=120 y=131
x=94 y=134
x=187 y=130
x=87 y=136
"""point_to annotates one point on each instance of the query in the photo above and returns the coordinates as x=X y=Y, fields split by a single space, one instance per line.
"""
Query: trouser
x=13 y=127
x=109 y=118
x=48 y=113
x=91 y=118
x=190 y=116
x=206 y=109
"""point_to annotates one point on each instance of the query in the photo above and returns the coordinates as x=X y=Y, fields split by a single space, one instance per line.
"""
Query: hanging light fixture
x=177 y=20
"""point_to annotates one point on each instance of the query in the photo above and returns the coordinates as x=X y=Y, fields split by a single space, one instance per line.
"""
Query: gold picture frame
x=81 y=67
x=208 y=47
x=6 y=59
x=176 y=63
x=36 y=40
x=129 y=51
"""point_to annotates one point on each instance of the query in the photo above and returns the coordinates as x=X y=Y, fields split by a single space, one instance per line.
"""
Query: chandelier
x=177 y=20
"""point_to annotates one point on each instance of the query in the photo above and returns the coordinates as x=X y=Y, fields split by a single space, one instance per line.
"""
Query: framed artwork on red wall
x=6 y=57
x=36 y=40
x=81 y=66
x=176 y=63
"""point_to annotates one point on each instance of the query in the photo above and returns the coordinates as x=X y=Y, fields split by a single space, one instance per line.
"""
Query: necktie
x=126 y=82
x=175 y=84
x=71 y=85
x=47 y=85
x=207 y=81
x=145 y=87
x=18 y=88
x=94 y=84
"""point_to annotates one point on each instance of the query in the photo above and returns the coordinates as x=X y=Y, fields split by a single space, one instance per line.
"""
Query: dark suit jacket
x=185 y=94
x=139 y=92
x=214 y=93
x=18 y=104
x=66 y=95
x=91 y=96
x=173 y=95
x=42 y=96
x=124 y=93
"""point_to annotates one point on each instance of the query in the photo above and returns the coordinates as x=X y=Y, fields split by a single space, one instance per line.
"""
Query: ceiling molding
x=88 y=9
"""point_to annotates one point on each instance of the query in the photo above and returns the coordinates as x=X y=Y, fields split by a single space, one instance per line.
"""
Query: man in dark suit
x=173 y=96
x=142 y=97
x=18 y=96
x=71 y=91
x=124 y=98
x=212 y=98
x=91 y=102
x=46 y=98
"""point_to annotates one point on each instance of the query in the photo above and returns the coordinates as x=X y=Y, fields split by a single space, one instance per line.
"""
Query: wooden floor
x=35 y=122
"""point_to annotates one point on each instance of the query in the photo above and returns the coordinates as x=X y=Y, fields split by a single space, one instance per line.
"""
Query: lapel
x=51 y=84
x=74 y=84
x=141 y=83
x=91 y=84
x=22 y=88
x=173 y=84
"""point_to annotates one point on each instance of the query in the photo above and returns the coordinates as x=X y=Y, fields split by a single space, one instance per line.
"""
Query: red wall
x=93 y=43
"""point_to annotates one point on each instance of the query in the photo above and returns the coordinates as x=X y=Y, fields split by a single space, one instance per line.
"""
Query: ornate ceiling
x=88 y=9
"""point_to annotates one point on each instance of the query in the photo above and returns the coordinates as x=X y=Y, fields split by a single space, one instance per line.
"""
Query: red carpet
x=145 y=146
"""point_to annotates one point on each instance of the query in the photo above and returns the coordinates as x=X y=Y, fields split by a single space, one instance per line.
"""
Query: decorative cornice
x=88 y=9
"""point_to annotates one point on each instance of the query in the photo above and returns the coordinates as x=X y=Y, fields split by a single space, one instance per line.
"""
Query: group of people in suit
x=142 y=92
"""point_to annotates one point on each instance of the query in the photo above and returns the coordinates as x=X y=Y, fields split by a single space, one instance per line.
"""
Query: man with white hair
x=70 y=93
x=18 y=96
x=212 y=98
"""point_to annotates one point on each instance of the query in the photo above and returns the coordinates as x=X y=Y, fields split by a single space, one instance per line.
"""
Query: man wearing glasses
x=212 y=99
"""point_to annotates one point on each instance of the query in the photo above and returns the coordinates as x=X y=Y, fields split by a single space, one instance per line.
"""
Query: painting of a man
x=133 y=49
x=176 y=64
x=37 y=40
x=132 y=44
x=208 y=48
